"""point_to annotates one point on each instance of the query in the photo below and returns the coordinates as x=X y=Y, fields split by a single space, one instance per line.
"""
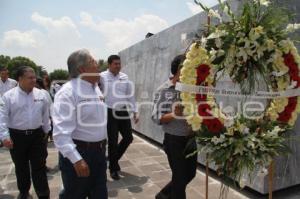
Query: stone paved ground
x=145 y=171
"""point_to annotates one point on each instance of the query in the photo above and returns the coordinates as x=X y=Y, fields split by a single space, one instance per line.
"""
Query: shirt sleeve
x=158 y=107
x=15 y=83
x=64 y=124
x=131 y=97
x=46 y=115
x=101 y=83
x=4 y=115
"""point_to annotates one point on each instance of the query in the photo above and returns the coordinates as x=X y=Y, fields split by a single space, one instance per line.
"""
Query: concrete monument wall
x=148 y=64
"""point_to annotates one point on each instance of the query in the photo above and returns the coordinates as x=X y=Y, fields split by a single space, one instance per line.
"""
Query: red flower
x=213 y=125
x=294 y=71
x=202 y=73
x=202 y=110
x=289 y=59
x=291 y=105
x=284 y=116
x=298 y=82
x=200 y=97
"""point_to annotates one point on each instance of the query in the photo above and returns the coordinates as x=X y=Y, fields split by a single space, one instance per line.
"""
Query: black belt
x=90 y=145
x=179 y=137
x=26 y=132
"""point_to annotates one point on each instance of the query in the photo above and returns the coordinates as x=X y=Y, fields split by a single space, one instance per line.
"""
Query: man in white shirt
x=119 y=96
x=24 y=116
x=6 y=83
x=80 y=131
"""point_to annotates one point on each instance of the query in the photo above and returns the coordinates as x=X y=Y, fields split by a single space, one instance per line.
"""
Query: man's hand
x=82 y=169
x=178 y=110
x=8 y=143
x=135 y=118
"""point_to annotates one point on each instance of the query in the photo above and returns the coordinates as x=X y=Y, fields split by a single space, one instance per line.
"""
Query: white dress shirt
x=7 y=85
x=118 y=90
x=23 y=111
x=78 y=113
x=49 y=99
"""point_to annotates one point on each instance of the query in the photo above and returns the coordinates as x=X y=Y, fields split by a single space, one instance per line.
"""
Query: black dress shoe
x=160 y=195
x=24 y=196
x=115 y=175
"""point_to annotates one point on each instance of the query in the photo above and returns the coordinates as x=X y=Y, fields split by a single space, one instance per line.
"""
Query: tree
x=4 y=60
x=103 y=65
x=59 y=74
x=17 y=62
x=40 y=71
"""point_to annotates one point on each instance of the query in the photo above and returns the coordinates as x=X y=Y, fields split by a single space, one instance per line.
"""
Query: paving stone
x=145 y=171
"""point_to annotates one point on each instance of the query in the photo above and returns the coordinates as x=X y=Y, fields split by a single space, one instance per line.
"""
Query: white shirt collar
x=23 y=92
x=113 y=75
x=85 y=83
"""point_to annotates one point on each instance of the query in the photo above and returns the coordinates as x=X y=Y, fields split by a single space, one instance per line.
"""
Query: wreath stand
x=270 y=175
x=206 y=177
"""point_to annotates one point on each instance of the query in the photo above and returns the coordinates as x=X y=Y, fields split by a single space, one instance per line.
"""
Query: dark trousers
x=29 y=156
x=93 y=186
x=183 y=168
x=114 y=126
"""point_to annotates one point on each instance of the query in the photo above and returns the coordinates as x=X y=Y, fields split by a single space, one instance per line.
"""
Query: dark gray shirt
x=165 y=98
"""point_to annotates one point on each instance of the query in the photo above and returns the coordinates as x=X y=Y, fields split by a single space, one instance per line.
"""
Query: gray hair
x=78 y=59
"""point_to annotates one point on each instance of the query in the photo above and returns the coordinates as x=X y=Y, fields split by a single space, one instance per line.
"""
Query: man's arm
x=163 y=111
x=4 y=111
x=4 y=115
x=160 y=113
x=46 y=116
x=64 y=123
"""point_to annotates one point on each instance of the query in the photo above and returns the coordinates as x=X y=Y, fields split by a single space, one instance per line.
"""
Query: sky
x=47 y=31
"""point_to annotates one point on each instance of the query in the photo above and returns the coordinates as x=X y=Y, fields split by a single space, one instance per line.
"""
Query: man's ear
x=81 y=70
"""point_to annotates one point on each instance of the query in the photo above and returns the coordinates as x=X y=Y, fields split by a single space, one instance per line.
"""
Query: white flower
x=293 y=85
x=246 y=131
x=203 y=42
x=226 y=9
x=255 y=33
x=228 y=122
x=217 y=140
x=279 y=74
x=217 y=34
x=218 y=42
x=214 y=13
x=286 y=45
x=270 y=44
x=220 y=53
x=242 y=53
x=277 y=129
x=240 y=35
x=213 y=54
x=263 y=2
x=292 y=27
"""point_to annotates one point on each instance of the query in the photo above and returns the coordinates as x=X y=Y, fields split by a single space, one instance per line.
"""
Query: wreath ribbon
x=209 y=90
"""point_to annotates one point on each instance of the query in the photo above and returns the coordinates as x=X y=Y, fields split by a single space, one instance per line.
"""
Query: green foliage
x=234 y=154
x=59 y=74
x=17 y=62
x=4 y=60
x=249 y=45
x=103 y=65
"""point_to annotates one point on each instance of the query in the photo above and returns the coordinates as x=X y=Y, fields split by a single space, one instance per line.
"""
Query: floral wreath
x=254 y=43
